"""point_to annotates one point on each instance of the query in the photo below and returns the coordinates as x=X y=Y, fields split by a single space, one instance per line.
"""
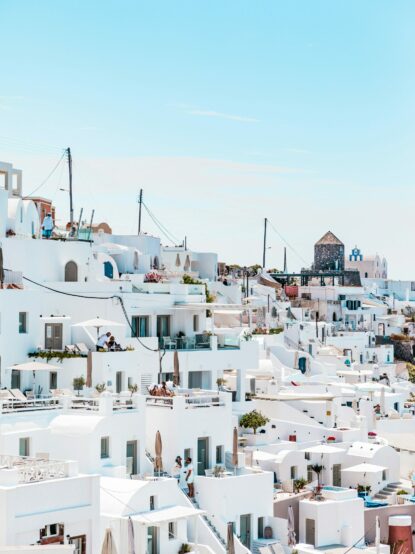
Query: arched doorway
x=71 y=272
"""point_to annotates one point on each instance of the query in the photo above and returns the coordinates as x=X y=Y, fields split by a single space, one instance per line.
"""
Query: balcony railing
x=32 y=470
x=190 y=401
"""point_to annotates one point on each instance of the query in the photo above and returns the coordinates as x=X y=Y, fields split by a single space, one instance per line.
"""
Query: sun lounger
x=276 y=548
x=82 y=348
x=18 y=395
x=264 y=550
x=71 y=348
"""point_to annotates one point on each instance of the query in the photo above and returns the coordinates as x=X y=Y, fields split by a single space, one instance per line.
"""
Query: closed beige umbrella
x=1 y=267
x=235 y=448
x=108 y=546
x=158 y=462
x=186 y=266
x=178 y=261
x=176 y=373
x=89 y=370
x=230 y=543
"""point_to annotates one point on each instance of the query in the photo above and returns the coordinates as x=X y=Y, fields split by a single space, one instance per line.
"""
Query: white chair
x=169 y=344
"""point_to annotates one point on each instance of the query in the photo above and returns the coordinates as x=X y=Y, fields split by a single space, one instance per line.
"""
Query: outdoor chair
x=264 y=550
x=168 y=343
x=19 y=396
x=71 y=348
x=82 y=348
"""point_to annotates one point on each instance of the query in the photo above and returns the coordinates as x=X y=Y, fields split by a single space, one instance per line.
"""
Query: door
x=310 y=531
x=53 y=336
x=245 y=530
x=80 y=544
x=202 y=455
x=152 y=541
x=53 y=380
x=163 y=326
x=132 y=457
x=118 y=381
x=108 y=270
x=337 y=476
x=302 y=364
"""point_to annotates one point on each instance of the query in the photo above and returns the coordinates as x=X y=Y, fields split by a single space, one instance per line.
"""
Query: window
x=307 y=455
x=187 y=453
x=105 y=447
x=53 y=380
x=384 y=475
x=152 y=503
x=140 y=326
x=219 y=454
x=293 y=472
x=24 y=446
x=22 y=322
x=310 y=475
x=195 y=323
x=163 y=326
x=15 y=379
x=172 y=530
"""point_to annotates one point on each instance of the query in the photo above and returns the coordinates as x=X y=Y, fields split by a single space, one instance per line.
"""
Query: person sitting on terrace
x=102 y=341
x=112 y=345
x=160 y=390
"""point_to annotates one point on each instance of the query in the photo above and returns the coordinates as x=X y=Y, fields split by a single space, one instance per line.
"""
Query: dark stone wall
x=326 y=256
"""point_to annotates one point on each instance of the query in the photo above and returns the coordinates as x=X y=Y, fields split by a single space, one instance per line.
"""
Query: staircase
x=210 y=524
x=388 y=491
x=256 y=545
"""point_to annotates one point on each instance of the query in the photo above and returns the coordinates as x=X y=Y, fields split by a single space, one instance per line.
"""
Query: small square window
x=105 y=447
x=24 y=446
x=22 y=322
x=172 y=530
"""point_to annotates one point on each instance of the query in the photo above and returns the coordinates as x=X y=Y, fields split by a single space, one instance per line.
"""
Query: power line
x=287 y=243
x=55 y=167
x=174 y=240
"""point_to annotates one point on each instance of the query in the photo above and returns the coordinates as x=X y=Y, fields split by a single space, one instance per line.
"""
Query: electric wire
x=286 y=242
x=174 y=240
x=55 y=167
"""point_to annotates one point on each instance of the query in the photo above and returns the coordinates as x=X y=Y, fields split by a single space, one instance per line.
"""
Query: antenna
x=140 y=203
x=265 y=243
x=68 y=153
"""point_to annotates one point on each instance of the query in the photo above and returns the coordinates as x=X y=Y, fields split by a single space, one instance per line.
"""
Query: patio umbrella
x=89 y=370
x=377 y=535
x=1 y=266
x=290 y=527
x=230 y=543
x=158 y=462
x=178 y=261
x=98 y=322
x=186 y=266
x=33 y=367
x=108 y=546
x=176 y=373
x=382 y=401
x=235 y=448
x=131 y=549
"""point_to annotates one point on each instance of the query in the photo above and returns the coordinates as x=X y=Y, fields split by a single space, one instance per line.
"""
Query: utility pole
x=68 y=153
x=265 y=243
x=140 y=203
x=285 y=259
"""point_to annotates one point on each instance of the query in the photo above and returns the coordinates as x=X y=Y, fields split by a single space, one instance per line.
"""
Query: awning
x=158 y=517
x=34 y=366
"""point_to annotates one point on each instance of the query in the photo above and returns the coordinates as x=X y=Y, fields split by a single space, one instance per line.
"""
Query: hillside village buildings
x=89 y=436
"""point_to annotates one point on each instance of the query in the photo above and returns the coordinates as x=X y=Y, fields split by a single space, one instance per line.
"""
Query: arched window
x=71 y=272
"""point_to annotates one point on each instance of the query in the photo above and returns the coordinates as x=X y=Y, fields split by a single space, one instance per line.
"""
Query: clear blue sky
x=225 y=112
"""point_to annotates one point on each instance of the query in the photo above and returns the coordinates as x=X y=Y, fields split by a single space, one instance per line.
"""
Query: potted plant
x=299 y=484
x=220 y=382
x=317 y=468
x=185 y=549
x=253 y=420
x=133 y=389
x=100 y=387
x=371 y=435
x=78 y=383
x=218 y=471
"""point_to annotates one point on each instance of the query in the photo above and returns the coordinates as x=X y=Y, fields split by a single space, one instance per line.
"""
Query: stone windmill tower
x=329 y=253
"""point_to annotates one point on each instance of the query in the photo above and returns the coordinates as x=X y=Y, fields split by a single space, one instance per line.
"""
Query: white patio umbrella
x=382 y=401
x=98 y=322
x=290 y=527
x=33 y=367
x=377 y=535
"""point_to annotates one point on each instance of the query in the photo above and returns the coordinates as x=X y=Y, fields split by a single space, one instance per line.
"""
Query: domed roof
x=329 y=238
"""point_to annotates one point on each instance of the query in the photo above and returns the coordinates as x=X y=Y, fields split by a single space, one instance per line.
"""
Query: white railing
x=32 y=470
x=11 y=405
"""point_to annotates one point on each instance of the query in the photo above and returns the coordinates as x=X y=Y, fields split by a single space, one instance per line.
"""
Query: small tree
x=253 y=420
x=78 y=383
x=317 y=468
x=133 y=388
x=220 y=381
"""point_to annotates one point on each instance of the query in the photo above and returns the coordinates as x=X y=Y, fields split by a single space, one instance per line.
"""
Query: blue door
x=108 y=270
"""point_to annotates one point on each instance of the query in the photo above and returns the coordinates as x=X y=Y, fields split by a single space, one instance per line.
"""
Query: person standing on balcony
x=102 y=341
x=177 y=469
x=190 y=478
x=47 y=226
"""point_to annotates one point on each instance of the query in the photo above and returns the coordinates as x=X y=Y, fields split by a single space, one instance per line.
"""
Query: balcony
x=179 y=289
x=202 y=341
x=17 y=470
x=189 y=399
